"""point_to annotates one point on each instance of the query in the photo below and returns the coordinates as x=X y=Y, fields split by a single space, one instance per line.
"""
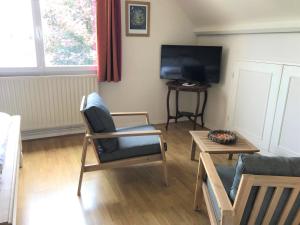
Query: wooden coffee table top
x=242 y=145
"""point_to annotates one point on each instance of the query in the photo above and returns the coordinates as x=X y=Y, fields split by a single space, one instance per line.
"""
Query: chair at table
x=118 y=147
x=259 y=190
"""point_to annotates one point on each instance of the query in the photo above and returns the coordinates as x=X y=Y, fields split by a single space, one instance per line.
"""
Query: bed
x=11 y=154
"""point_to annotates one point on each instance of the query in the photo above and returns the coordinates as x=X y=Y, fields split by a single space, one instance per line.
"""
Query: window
x=17 y=48
x=68 y=32
x=47 y=37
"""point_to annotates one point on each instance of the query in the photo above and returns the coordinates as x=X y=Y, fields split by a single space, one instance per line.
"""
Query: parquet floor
x=134 y=195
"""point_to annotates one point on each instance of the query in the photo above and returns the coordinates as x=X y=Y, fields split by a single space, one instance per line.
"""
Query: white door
x=286 y=131
x=255 y=94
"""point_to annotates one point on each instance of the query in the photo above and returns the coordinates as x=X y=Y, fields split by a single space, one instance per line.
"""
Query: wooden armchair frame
x=231 y=214
x=90 y=135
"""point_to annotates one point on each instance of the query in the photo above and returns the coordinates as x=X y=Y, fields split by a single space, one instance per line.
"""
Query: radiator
x=48 y=105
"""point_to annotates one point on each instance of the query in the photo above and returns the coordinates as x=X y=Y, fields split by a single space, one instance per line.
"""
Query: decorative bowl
x=224 y=137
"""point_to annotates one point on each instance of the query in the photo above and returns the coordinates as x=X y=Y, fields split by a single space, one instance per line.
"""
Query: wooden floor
x=135 y=195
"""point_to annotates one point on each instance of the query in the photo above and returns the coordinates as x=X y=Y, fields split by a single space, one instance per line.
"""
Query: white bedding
x=5 y=121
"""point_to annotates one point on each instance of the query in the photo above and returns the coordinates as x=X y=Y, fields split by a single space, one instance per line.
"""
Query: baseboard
x=52 y=132
x=67 y=130
x=157 y=122
x=208 y=126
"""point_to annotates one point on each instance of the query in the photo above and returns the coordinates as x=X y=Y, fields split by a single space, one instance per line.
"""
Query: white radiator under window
x=48 y=105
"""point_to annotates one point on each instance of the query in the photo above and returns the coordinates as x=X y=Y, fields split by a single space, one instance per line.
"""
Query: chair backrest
x=268 y=200
x=97 y=119
x=268 y=190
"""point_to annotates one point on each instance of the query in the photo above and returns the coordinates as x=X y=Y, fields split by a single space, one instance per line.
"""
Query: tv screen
x=191 y=63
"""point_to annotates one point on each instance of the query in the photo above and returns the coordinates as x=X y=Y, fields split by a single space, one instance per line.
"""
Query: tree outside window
x=68 y=31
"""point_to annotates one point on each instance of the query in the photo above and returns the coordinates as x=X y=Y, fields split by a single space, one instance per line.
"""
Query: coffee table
x=200 y=139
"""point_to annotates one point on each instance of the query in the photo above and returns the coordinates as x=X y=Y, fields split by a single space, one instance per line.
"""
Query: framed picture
x=137 y=18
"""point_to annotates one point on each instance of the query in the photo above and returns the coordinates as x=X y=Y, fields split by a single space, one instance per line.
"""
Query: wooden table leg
x=203 y=109
x=193 y=149
x=230 y=155
x=198 y=190
x=168 y=108
x=177 y=108
x=197 y=110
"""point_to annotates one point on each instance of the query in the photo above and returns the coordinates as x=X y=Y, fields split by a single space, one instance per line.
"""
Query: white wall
x=141 y=89
x=263 y=47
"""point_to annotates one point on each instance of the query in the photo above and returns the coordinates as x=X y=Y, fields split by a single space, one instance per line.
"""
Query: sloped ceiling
x=204 y=13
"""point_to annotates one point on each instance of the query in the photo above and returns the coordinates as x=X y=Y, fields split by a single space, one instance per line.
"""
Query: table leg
x=198 y=191
x=177 y=97
x=203 y=109
x=193 y=149
x=197 y=110
x=168 y=108
x=230 y=155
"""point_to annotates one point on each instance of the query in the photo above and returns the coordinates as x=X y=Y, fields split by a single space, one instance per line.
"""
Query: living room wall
x=281 y=48
x=141 y=89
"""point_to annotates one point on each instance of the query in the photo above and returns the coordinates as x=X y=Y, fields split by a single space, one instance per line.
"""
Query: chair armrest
x=216 y=183
x=123 y=134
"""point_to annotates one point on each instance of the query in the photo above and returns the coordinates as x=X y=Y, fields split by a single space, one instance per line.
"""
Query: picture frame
x=137 y=18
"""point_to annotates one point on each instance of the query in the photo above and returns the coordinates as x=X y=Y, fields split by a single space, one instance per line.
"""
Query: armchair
x=118 y=147
x=259 y=190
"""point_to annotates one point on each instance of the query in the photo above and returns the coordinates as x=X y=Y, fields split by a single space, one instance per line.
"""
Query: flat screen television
x=191 y=63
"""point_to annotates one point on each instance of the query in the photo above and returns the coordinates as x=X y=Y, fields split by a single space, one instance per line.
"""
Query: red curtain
x=108 y=24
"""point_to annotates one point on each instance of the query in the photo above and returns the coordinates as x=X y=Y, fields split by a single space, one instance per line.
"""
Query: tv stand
x=178 y=87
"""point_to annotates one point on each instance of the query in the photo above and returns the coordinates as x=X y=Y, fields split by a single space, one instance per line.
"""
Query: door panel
x=286 y=132
x=256 y=92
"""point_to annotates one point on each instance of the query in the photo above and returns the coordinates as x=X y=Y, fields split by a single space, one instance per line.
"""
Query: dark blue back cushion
x=100 y=121
x=264 y=165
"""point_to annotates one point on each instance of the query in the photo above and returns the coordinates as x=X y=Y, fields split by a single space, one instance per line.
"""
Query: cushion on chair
x=263 y=165
x=100 y=121
x=226 y=174
x=265 y=205
x=133 y=146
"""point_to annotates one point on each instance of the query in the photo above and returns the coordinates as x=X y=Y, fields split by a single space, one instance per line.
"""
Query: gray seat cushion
x=100 y=120
x=263 y=165
x=133 y=146
x=226 y=174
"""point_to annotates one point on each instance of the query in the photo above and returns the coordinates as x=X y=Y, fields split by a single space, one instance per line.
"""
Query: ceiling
x=238 y=12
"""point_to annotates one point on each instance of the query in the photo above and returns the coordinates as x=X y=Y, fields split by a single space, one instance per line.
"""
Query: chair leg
x=165 y=170
x=164 y=160
x=80 y=182
x=198 y=197
x=85 y=144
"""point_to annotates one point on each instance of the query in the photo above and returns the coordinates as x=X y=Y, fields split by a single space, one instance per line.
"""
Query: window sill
x=49 y=71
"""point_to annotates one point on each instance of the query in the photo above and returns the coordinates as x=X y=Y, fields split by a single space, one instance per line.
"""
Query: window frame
x=41 y=69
